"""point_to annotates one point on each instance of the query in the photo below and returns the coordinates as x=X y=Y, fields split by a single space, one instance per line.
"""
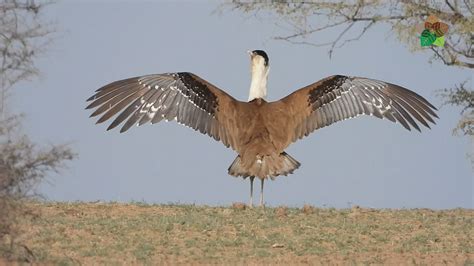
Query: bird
x=259 y=131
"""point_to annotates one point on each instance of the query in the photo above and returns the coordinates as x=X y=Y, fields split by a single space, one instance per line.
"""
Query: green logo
x=433 y=33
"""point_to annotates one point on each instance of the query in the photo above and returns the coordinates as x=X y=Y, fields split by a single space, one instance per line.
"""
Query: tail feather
x=267 y=166
x=236 y=168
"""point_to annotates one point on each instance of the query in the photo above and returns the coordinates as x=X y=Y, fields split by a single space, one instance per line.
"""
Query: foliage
x=22 y=166
x=23 y=36
x=461 y=96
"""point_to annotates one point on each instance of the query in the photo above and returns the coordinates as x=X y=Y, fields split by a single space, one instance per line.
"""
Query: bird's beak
x=250 y=53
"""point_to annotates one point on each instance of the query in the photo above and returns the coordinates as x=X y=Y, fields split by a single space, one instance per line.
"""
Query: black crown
x=262 y=54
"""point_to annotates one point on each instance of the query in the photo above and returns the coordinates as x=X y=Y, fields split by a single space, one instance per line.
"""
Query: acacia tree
x=23 y=36
x=353 y=19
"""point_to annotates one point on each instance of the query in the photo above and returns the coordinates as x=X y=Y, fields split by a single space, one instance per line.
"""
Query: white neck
x=258 y=85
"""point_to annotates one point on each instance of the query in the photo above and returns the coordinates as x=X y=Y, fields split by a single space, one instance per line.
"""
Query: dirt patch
x=281 y=212
x=239 y=206
x=308 y=209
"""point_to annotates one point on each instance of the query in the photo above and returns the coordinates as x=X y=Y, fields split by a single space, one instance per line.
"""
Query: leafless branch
x=339 y=38
x=23 y=36
x=468 y=6
x=308 y=32
x=441 y=57
x=370 y=24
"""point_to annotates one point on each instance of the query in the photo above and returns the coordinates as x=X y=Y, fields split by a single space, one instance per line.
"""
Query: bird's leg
x=251 y=191
x=261 y=193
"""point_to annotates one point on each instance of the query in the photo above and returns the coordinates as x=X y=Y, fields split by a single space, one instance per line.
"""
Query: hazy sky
x=364 y=161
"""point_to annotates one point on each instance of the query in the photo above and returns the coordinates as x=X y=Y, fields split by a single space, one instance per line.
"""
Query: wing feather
x=113 y=108
x=183 y=97
x=149 y=107
x=338 y=98
x=129 y=110
x=125 y=89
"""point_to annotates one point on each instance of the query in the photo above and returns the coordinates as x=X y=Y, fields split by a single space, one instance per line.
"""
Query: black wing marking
x=340 y=97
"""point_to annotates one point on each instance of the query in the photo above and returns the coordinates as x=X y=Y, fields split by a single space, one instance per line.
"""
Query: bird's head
x=259 y=68
x=258 y=59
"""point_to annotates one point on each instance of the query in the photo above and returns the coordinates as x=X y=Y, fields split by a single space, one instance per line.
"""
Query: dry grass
x=111 y=233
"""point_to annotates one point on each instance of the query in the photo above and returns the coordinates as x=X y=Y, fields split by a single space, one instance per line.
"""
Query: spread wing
x=183 y=97
x=337 y=98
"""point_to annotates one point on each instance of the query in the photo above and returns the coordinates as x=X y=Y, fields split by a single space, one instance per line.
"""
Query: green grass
x=111 y=233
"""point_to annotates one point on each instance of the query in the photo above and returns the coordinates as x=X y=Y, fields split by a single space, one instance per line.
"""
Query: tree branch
x=339 y=37
x=403 y=16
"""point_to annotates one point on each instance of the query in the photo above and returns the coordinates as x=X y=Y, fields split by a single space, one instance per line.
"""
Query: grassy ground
x=110 y=233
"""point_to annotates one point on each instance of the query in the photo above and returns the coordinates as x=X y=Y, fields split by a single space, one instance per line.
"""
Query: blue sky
x=364 y=161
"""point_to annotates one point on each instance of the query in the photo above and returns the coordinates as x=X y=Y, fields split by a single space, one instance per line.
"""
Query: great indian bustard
x=259 y=131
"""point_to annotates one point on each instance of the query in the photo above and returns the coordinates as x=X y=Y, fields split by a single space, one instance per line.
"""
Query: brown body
x=261 y=140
